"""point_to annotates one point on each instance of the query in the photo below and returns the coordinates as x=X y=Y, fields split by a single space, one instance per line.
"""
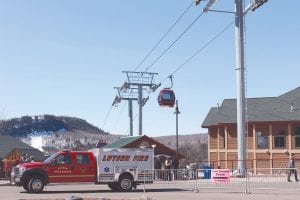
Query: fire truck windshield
x=48 y=160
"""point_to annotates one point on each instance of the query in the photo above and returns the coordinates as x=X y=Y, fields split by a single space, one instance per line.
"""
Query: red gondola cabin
x=166 y=97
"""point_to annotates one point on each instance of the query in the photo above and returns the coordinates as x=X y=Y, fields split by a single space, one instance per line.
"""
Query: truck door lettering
x=123 y=158
x=141 y=158
x=107 y=158
x=116 y=158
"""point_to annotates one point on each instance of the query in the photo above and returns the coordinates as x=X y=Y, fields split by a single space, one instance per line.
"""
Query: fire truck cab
x=121 y=169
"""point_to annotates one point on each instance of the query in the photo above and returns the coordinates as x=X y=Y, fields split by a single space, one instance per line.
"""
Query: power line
x=164 y=36
x=108 y=113
x=180 y=36
x=119 y=117
x=201 y=49
x=155 y=46
x=177 y=39
x=197 y=52
x=172 y=44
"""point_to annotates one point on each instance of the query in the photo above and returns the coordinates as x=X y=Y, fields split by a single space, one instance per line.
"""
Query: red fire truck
x=121 y=169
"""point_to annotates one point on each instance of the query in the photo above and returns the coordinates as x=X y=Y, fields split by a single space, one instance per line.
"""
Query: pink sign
x=220 y=175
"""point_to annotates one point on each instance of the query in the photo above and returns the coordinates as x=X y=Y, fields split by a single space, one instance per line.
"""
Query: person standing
x=27 y=159
x=168 y=169
x=175 y=166
x=23 y=158
x=292 y=169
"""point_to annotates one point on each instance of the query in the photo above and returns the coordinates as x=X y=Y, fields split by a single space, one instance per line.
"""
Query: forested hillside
x=20 y=127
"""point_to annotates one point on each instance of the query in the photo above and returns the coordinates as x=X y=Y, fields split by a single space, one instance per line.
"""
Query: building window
x=297 y=137
x=262 y=140
x=279 y=140
x=144 y=143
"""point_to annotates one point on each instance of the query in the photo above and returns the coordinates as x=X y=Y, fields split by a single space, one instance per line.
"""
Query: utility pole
x=240 y=69
x=132 y=90
x=176 y=112
x=240 y=64
x=241 y=100
x=130 y=117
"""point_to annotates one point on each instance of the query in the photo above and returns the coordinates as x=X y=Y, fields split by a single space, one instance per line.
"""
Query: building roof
x=37 y=154
x=285 y=107
x=122 y=142
x=136 y=141
x=8 y=143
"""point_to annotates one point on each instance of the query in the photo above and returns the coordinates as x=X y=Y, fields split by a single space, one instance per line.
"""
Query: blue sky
x=64 y=57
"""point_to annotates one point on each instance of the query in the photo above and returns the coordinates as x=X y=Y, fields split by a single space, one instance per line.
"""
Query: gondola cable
x=155 y=46
x=174 y=42
x=164 y=36
x=199 y=51
x=216 y=36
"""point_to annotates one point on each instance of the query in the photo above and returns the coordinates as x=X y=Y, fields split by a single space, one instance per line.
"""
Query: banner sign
x=220 y=175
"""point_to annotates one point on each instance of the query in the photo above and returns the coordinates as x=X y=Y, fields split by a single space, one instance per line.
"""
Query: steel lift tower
x=239 y=13
x=132 y=90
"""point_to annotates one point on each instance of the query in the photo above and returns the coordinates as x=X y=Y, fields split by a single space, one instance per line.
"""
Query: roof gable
x=285 y=107
x=122 y=142
x=291 y=95
x=135 y=141
x=37 y=154
x=8 y=143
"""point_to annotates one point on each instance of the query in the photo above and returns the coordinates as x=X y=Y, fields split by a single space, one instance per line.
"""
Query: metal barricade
x=220 y=180
x=272 y=179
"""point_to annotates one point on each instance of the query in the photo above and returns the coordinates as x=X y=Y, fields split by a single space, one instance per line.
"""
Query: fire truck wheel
x=35 y=184
x=113 y=186
x=125 y=183
x=25 y=186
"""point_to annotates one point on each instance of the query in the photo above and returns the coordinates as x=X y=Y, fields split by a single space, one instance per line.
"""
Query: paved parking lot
x=167 y=191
